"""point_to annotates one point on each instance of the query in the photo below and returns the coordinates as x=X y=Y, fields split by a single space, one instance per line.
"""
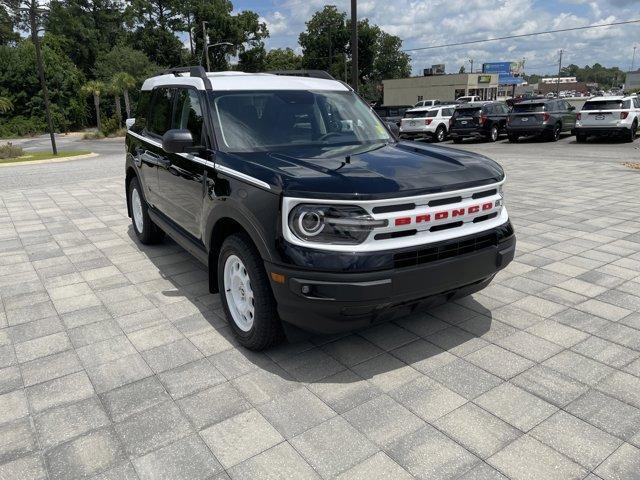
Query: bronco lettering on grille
x=443 y=214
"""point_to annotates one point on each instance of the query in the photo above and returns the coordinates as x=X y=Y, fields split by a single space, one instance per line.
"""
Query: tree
x=124 y=82
x=114 y=89
x=389 y=59
x=123 y=59
x=94 y=88
x=325 y=41
x=462 y=69
x=282 y=59
x=7 y=32
x=5 y=105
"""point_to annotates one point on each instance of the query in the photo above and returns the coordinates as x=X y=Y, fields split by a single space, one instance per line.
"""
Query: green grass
x=35 y=156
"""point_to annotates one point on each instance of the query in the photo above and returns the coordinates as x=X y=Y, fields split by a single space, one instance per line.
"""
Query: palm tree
x=94 y=88
x=5 y=105
x=115 y=90
x=125 y=82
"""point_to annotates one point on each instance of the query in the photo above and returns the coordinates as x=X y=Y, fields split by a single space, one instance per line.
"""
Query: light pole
x=471 y=62
x=354 y=44
x=633 y=58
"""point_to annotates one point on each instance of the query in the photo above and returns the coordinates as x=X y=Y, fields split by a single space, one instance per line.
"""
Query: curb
x=49 y=160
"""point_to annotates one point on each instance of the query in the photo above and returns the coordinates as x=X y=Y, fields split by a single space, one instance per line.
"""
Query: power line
x=471 y=42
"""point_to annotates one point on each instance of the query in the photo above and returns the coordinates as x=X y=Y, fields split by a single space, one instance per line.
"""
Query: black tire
x=554 y=136
x=513 y=138
x=630 y=137
x=581 y=138
x=494 y=134
x=150 y=233
x=266 y=329
x=441 y=134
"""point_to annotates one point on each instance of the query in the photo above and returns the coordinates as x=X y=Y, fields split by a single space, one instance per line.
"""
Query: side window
x=188 y=113
x=160 y=115
x=626 y=104
x=142 y=110
x=636 y=101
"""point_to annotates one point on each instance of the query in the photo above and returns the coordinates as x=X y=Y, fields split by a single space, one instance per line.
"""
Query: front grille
x=452 y=248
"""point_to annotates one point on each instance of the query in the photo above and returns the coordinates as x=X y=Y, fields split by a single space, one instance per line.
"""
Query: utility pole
x=33 y=11
x=354 y=44
x=205 y=44
x=633 y=59
x=559 y=70
x=471 y=62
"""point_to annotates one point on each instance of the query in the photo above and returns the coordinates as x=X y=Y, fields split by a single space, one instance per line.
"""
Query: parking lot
x=116 y=362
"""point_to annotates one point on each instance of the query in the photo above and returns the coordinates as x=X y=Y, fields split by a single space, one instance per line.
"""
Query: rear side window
x=603 y=105
x=447 y=112
x=636 y=102
x=160 y=114
x=188 y=113
x=626 y=104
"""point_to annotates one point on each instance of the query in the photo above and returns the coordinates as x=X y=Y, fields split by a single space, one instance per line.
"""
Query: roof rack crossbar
x=196 y=71
x=303 y=73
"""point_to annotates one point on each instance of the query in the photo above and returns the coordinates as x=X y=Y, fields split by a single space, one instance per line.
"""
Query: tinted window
x=160 y=115
x=636 y=102
x=447 y=112
x=603 y=105
x=142 y=110
x=420 y=114
x=528 y=107
x=467 y=112
x=188 y=113
x=626 y=104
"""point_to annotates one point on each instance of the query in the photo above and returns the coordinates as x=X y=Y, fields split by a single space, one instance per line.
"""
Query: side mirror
x=571 y=108
x=177 y=141
x=129 y=122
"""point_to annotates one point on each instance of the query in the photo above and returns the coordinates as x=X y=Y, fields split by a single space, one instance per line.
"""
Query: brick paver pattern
x=116 y=362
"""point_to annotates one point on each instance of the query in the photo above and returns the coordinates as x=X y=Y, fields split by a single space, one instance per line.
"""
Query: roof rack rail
x=197 y=71
x=303 y=73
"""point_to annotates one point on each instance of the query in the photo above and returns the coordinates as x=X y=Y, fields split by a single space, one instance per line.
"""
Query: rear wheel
x=555 y=133
x=581 y=138
x=246 y=296
x=146 y=231
x=441 y=133
x=630 y=137
x=493 y=134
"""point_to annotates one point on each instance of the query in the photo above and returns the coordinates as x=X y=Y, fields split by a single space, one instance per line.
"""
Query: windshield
x=603 y=105
x=528 y=107
x=421 y=114
x=278 y=120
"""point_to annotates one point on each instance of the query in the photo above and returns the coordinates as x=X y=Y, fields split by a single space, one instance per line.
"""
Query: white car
x=606 y=116
x=427 y=103
x=468 y=99
x=431 y=122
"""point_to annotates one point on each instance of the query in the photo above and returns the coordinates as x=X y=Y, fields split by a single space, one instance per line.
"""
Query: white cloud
x=434 y=22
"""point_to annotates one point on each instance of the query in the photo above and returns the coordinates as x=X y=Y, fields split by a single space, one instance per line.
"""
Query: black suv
x=307 y=211
x=546 y=118
x=486 y=120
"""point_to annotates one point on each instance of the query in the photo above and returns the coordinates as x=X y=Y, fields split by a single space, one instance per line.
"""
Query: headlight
x=333 y=224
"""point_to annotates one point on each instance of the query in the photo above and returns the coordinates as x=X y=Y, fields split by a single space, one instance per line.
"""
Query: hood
x=390 y=170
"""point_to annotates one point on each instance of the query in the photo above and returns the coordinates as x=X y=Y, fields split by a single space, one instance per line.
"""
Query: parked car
x=546 y=118
x=468 y=99
x=432 y=122
x=606 y=116
x=427 y=103
x=307 y=212
x=392 y=114
x=486 y=120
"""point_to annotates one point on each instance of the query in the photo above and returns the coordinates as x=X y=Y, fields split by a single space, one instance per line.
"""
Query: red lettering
x=423 y=218
x=403 y=221
x=441 y=215
x=474 y=209
x=487 y=206
x=458 y=212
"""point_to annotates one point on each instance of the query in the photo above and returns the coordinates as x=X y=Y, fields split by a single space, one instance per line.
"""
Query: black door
x=147 y=151
x=180 y=177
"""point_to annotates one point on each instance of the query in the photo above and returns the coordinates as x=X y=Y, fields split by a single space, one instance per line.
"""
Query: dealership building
x=632 y=81
x=408 y=91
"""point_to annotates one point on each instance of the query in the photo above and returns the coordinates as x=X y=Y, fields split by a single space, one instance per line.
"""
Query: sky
x=421 y=23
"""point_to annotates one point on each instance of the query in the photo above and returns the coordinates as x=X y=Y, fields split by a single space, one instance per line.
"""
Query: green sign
x=484 y=78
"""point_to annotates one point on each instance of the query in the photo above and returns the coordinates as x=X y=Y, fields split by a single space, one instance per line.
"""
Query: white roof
x=227 y=81
x=604 y=99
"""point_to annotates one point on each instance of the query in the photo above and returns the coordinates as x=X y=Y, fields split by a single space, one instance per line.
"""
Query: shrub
x=20 y=126
x=8 y=150
x=110 y=125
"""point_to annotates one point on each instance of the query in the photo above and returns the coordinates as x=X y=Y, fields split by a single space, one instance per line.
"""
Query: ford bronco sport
x=309 y=214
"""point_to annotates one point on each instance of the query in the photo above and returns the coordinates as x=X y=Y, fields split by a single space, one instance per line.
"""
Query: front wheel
x=246 y=296
x=147 y=232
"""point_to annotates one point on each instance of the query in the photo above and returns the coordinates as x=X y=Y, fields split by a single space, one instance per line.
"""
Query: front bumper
x=327 y=303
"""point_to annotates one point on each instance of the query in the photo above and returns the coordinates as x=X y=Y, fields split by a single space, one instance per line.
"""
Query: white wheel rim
x=440 y=134
x=238 y=292
x=136 y=206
